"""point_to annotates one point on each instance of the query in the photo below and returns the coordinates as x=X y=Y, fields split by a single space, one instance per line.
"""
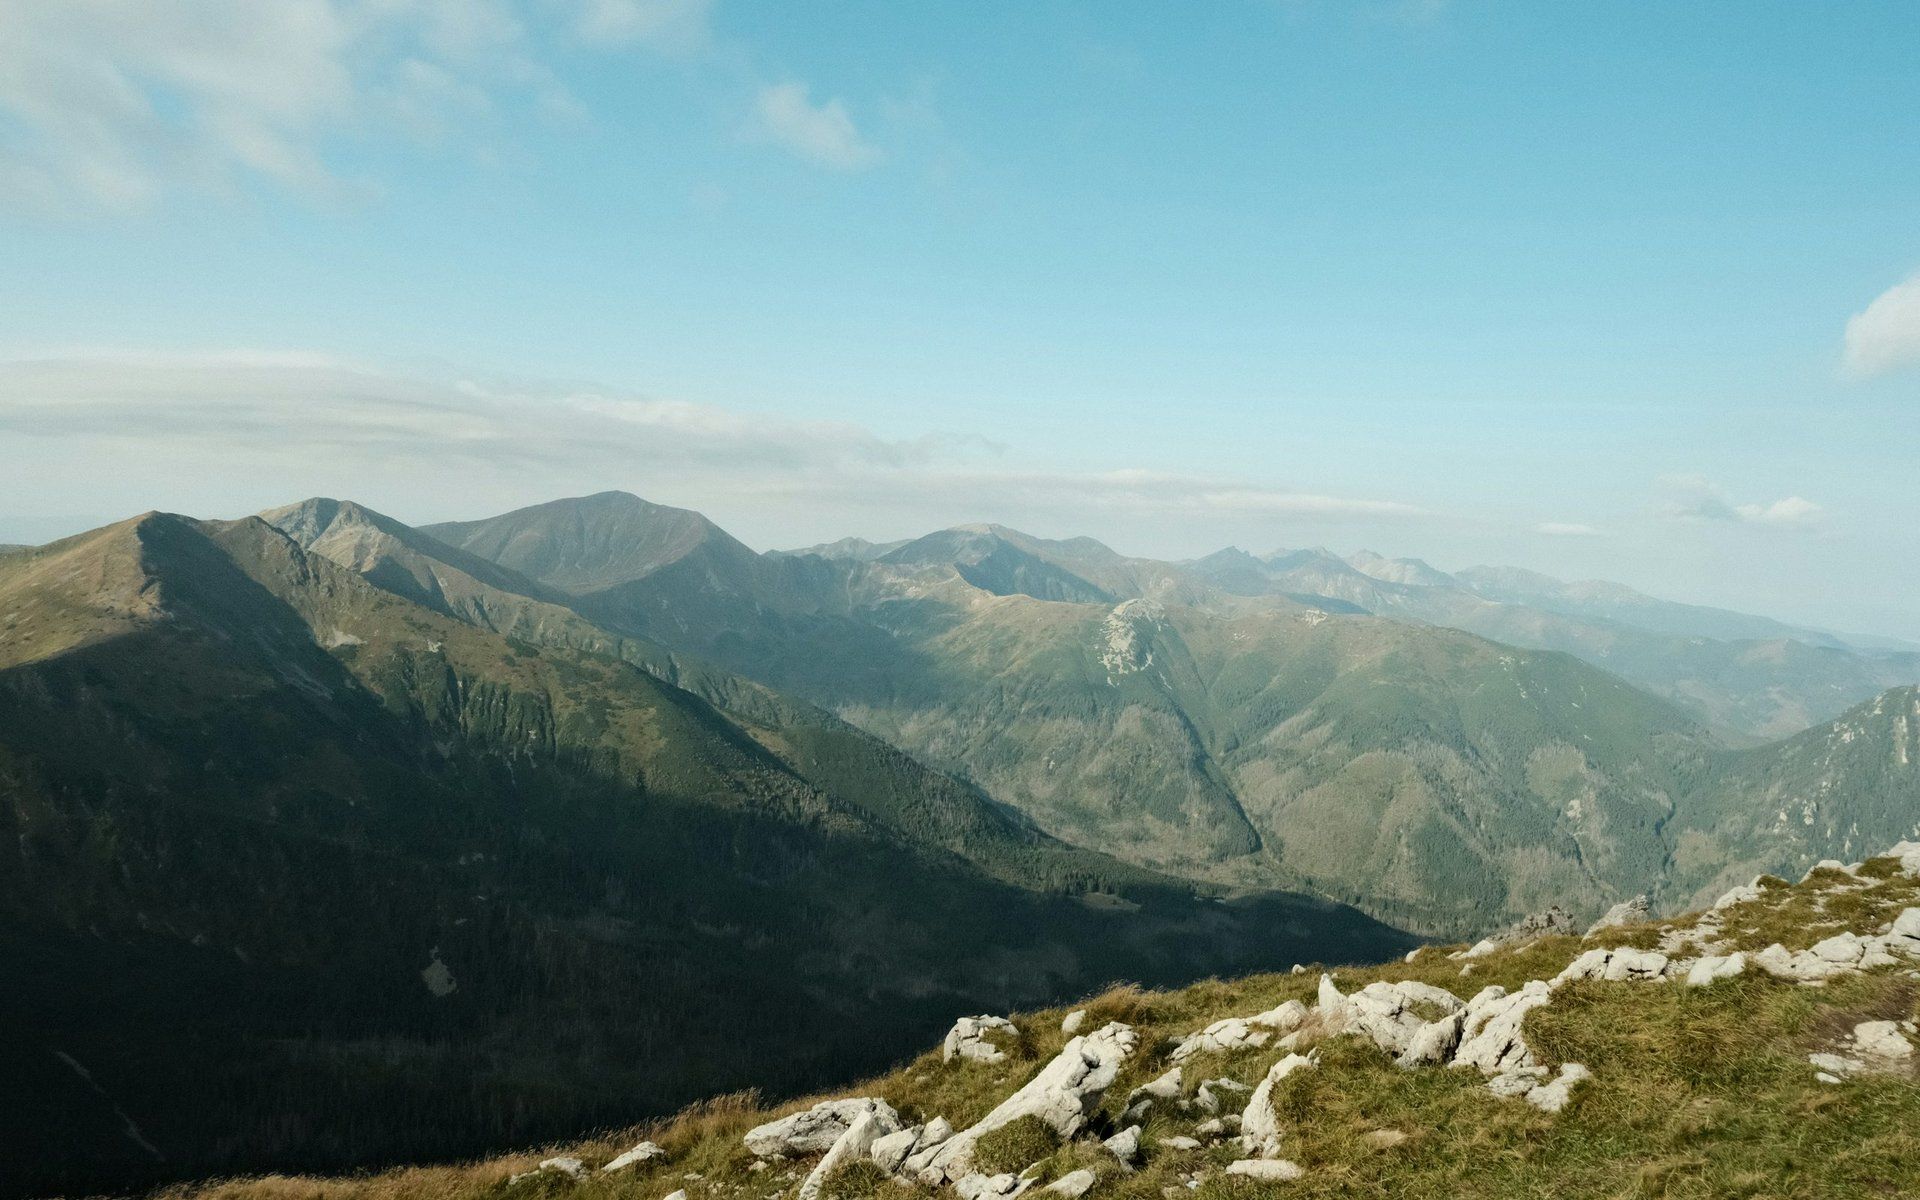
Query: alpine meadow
x=716 y=600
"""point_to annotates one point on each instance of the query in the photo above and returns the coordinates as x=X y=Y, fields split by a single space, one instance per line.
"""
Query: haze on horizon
x=1628 y=296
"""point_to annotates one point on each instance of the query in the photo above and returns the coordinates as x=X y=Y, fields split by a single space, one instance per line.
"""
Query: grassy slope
x=230 y=851
x=1696 y=1093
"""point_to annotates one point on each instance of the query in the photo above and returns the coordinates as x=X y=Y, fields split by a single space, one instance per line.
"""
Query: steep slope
x=1751 y=688
x=299 y=872
x=1687 y=1058
x=1831 y=791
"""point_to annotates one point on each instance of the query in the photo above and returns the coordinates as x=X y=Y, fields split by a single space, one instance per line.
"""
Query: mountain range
x=508 y=827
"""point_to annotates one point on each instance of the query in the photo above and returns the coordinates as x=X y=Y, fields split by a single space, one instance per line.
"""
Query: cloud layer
x=277 y=424
x=1885 y=336
x=821 y=133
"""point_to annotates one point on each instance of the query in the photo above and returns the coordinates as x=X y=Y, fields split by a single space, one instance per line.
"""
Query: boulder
x=1242 y=1033
x=1178 y=1142
x=1268 y=1170
x=1743 y=894
x=976 y=1186
x=1490 y=1038
x=639 y=1154
x=1073 y=1184
x=1715 y=967
x=1331 y=1003
x=1905 y=933
x=1882 y=1040
x=1909 y=855
x=1617 y=965
x=815 y=1130
x=851 y=1147
x=891 y=1150
x=1385 y=1013
x=1627 y=912
x=968 y=1039
x=1801 y=966
x=1063 y=1095
x=566 y=1165
x=1141 y=1099
x=1434 y=1043
x=1125 y=1145
x=1072 y=1022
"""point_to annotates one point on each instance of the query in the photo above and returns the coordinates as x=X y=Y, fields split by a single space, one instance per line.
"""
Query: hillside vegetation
x=1764 y=1048
x=299 y=871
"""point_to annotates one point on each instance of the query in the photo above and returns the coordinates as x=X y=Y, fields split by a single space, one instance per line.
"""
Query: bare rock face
x=968 y=1039
x=851 y=1147
x=1490 y=1036
x=1627 y=912
x=817 y=1128
x=1063 y=1095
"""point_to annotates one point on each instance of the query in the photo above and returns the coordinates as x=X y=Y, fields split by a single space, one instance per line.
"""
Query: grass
x=1697 y=1093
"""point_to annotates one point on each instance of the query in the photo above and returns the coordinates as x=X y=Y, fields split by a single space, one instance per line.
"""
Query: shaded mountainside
x=1768 y=1047
x=299 y=872
x=1254 y=719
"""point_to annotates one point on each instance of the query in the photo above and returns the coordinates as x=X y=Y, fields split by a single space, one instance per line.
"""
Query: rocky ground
x=1764 y=1047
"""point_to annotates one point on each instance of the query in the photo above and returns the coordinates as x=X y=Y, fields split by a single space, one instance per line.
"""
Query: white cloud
x=273 y=425
x=1885 y=335
x=820 y=133
x=112 y=104
x=1566 y=529
x=1698 y=499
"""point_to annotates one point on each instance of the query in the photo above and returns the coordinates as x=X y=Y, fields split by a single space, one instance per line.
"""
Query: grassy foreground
x=1697 y=1092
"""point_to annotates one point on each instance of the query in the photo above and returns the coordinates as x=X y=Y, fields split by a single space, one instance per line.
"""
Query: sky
x=1627 y=291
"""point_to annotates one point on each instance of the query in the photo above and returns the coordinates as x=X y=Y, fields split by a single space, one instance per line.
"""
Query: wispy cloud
x=822 y=133
x=1697 y=499
x=291 y=422
x=110 y=105
x=1884 y=336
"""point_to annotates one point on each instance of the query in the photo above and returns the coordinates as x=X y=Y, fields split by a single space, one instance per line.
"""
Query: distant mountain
x=851 y=548
x=1619 y=603
x=1751 y=688
x=1291 y=720
x=301 y=866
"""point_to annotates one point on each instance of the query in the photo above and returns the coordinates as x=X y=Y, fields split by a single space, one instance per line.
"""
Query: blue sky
x=1606 y=290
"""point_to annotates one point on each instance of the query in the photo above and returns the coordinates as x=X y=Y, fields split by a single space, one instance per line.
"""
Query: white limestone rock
x=890 y=1151
x=566 y=1165
x=1490 y=1038
x=1385 y=1013
x=1882 y=1040
x=1063 y=1094
x=1627 y=912
x=1554 y=1096
x=1259 y=1123
x=1180 y=1142
x=1125 y=1145
x=639 y=1154
x=1073 y=1184
x=1242 y=1033
x=1267 y=1170
x=1434 y=1043
x=815 y=1130
x=1072 y=1022
x=968 y=1039
x=851 y=1147
x=1715 y=967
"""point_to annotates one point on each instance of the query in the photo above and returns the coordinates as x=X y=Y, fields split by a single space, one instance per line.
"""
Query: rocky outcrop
x=816 y=1129
x=968 y=1039
x=1242 y=1033
x=1062 y=1095
x=1627 y=912
x=1259 y=1124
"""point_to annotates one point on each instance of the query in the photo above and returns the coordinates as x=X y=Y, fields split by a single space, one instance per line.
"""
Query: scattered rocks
x=968 y=1039
x=816 y=1129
